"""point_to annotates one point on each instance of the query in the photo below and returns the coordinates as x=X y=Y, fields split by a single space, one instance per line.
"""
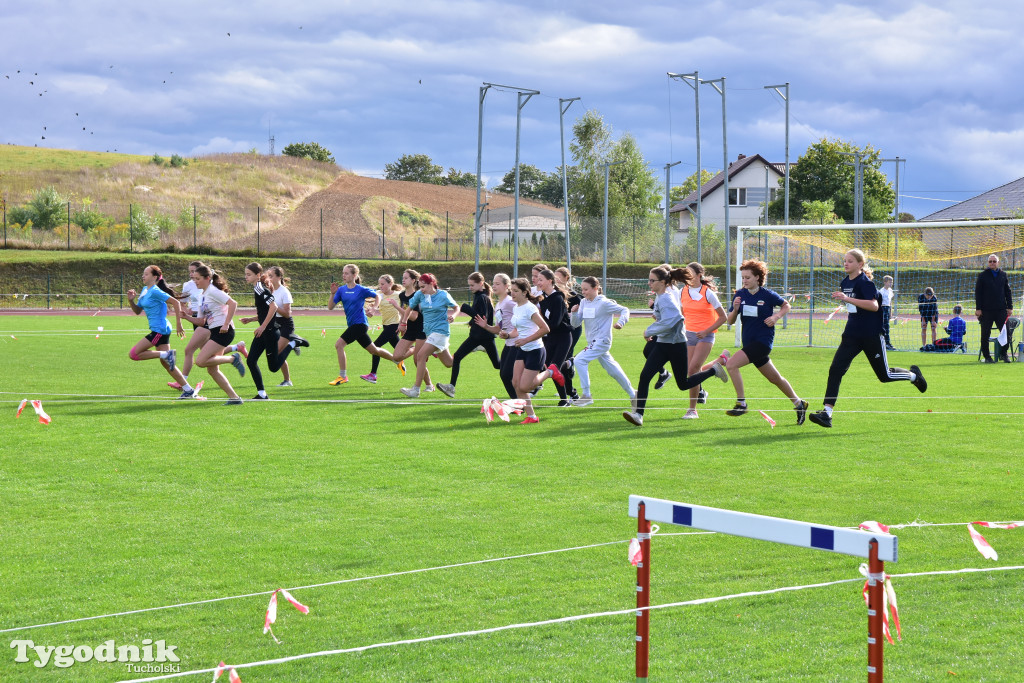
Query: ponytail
x=160 y=284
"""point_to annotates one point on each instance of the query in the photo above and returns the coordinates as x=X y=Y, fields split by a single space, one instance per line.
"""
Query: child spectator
x=928 y=307
x=956 y=329
x=888 y=296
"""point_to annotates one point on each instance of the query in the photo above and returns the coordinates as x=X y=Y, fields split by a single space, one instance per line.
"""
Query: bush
x=49 y=209
x=144 y=228
x=177 y=161
x=19 y=215
x=158 y=160
x=88 y=220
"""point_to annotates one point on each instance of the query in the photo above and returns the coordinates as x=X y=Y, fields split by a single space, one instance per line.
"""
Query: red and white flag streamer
x=233 y=676
x=838 y=308
x=43 y=417
x=21 y=407
x=493 y=407
x=272 y=611
x=876 y=527
x=888 y=604
x=635 y=552
x=323 y=332
x=986 y=550
x=767 y=418
x=514 y=406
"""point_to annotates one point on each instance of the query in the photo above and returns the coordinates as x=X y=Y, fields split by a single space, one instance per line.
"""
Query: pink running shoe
x=174 y=385
x=530 y=420
x=557 y=375
x=371 y=378
x=241 y=349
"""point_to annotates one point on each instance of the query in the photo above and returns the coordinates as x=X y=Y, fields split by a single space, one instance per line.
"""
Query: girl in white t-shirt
x=528 y=327
x=218 y=310
x=200 y=335
x=284 y=320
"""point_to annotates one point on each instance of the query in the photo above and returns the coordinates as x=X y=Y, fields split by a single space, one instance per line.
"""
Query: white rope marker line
x=560 y=620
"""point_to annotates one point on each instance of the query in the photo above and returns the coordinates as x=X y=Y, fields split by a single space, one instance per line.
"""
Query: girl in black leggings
x=483 y=307
x=267 y=336
x=555 y=309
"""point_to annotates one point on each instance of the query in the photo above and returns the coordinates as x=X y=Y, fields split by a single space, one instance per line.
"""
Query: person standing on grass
x=596 y=313
x=928 y=307
x=353 y=296
x=888 y=296
x=218 y=310
x=283 y=320
x=863 y=333
x=154 y=301
x=754 y=305
x=528 y=327
x=502 y=327
x=438 y=310
x=267 y=336
x=670 y=346
x=479 y=336
x=993 y=304
x=390 y=312
x=703 y=314
x=200 y=334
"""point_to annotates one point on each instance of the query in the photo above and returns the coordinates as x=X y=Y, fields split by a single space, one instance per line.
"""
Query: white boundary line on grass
x=559 y=620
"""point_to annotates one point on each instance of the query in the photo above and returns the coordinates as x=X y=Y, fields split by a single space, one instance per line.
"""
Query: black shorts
x=223 y=338
x=414 y=331
x=934 y=319
x=357 y=333
x=158 y=338
x=757 y=353
x=285 y=326
x=196 y=326
x=535 y=360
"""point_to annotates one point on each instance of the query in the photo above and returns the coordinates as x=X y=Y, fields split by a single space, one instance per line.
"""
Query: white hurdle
x=877 y=548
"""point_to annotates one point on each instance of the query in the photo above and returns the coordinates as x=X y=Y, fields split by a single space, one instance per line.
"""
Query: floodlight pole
x=785 y=208
x=523 y=96
x=604 y=268
x=479 y=165
x=695 y=78
x=896 y=219
x=714 y=83
x=563 y=106
x=668 y=206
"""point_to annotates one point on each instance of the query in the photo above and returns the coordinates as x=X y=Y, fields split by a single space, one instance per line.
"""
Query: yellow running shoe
x=401 y=367
x=338 y=380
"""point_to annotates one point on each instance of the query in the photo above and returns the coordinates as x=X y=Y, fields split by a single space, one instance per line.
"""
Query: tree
x=820 y=213
x=681 y=192
x=47 y=208
x=822 y=174
x=459 y=178
x=309 y=150
x=530 y=180
x=418 y=168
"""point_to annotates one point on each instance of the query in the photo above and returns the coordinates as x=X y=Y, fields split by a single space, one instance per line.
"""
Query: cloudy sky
x=937 y=84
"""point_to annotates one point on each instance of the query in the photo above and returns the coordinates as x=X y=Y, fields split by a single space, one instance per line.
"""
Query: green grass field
x=132 y=500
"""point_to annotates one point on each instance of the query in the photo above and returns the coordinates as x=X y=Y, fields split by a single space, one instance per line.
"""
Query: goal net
x=805 y=265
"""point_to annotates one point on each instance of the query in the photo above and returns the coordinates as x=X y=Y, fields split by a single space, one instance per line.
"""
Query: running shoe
x=371 y=378
x=565 y=403
x=191 y=393
x=530 y=420
x=702 y=396
x=536 y=390
x=297 y=351
x=801 y=412
x=573 y=394
x=241 y=349
x=236 y=401
x=557 y=375
x=172 y=358
x=635 y=418
x=414 y=392
x=299 y=341
x=257 y=397
x=198 y=387
x=724 y=355
x=288 y=383
x=174 y=385
x=447 y=389
x=401 y=367
x=890 y=347
x=663 y=377
x=236 y=360
x=583 y=401
x=821 y=418
x=920 y=382
x=428 y=387
x=737 y=410
x=569 y=368
x=720 y=372
x=337 y=380
x=691 y=414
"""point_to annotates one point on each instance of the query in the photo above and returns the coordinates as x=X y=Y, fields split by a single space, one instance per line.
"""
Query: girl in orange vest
x=703 y=314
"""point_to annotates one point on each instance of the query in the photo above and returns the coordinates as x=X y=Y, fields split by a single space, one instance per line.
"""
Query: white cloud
x=222 y=145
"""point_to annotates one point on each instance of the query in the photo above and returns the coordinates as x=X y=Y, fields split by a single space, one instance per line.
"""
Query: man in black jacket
x=994 y=304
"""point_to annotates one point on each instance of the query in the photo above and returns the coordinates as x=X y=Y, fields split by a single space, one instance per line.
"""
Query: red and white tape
x=36 y=406
x=233 y=676
x=986 y=550
x=271 y=616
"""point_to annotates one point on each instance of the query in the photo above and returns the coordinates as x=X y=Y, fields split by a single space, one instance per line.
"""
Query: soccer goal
x=878 y=548
x=805 y=265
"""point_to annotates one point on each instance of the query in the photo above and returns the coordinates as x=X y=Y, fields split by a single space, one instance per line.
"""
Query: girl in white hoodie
x=596 y=314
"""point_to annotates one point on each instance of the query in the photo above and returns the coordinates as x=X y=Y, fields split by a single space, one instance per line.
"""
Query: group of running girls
x=539 y=322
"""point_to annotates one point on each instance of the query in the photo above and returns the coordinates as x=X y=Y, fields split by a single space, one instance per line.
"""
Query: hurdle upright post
x=643 y=595
x=876 y=609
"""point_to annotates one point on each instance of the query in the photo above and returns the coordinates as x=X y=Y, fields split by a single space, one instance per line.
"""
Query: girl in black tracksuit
x=555 y=309
x=267 y=336
x=483 y=307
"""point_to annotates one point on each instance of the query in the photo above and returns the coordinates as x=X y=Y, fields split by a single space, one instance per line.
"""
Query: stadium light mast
x=563 y=106
x=896 y=219
x=523 y=96
x=785 y=209
x=668 y=204
x=693 y=80
x=479 y=165
x=719 y=85
x=604 y=267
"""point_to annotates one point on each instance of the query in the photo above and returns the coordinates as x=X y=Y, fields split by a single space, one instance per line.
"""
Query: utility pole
x=668 y=206
x=719 y=85
x=693 y=80
x=563 y=106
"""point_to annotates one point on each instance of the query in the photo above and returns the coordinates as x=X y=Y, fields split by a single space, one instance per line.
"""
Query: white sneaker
x=414 y=392
x=584 y=401
x=635 y=418
x=286 y=383
x=428 y=387
x=720 y=372
x=691 y=414
x=447 y=389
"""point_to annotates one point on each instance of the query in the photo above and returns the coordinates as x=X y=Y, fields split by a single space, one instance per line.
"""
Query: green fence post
x=47 y=291
x=121 y=305
x=69 y=226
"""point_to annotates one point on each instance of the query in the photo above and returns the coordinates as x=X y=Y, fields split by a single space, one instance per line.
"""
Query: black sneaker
x=299 y=341
x=921 y=383
x=574 y=395
x=564 y=403
x=737 y=410
x=257 y=397
x=568 y=368
x=821 y=418
x=702 y=396
x=663 y=377
x=801 y=412
x=237 y=401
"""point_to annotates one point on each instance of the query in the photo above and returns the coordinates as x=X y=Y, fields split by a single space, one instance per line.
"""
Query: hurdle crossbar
x=877 y=548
